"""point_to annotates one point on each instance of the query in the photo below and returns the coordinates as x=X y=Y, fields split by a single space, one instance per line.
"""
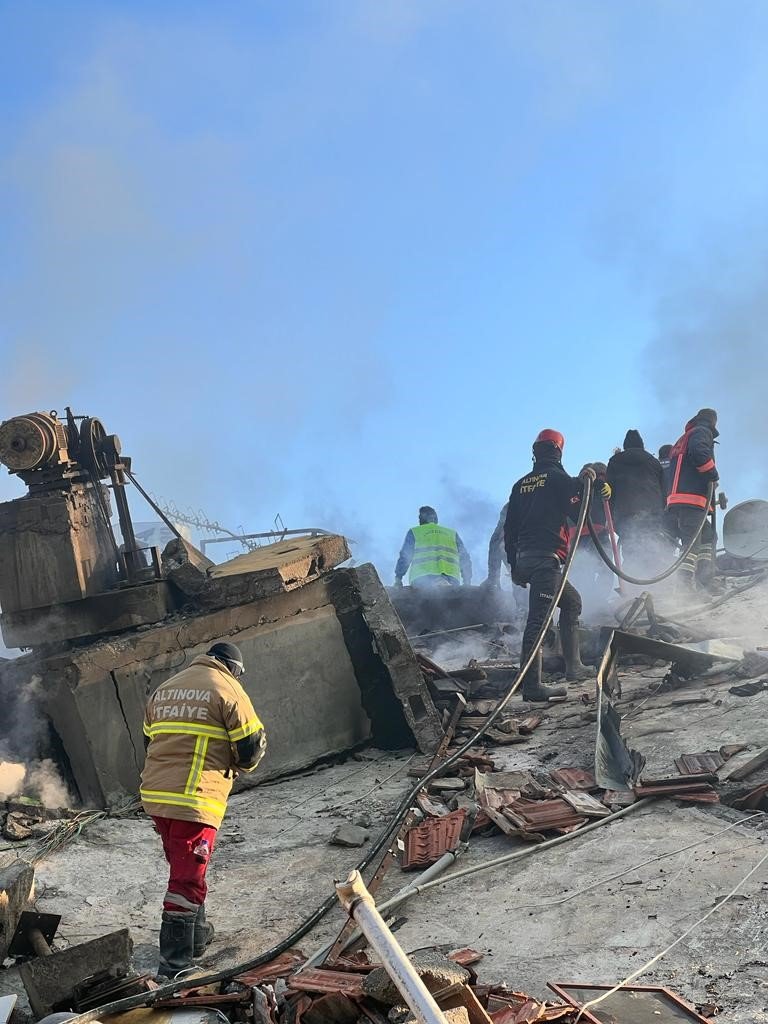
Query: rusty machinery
x=57 y=543
x=50 y=454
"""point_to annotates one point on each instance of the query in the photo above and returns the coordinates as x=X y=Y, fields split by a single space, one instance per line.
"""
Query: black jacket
x=637 y=482
x=692 y=466
x=538 y=511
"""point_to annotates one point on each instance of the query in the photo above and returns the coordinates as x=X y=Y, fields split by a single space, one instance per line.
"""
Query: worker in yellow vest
x=435 y=555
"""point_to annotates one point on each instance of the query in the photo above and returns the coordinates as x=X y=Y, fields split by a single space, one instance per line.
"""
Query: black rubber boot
x=204 y=932
x=534 y=690
x=575 y=672
x=177 y=940
x=705 y=575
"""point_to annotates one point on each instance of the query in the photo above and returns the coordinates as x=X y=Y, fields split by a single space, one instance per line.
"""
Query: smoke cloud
x=710 y=350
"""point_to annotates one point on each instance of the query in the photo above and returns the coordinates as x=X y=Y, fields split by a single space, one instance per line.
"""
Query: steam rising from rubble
x=12 y=777
x=39 y=779
x=25 y=768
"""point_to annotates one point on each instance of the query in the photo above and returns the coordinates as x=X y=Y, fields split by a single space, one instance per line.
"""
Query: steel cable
x=147 y=998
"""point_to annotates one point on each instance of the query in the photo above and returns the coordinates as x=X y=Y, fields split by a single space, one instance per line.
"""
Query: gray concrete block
x=299 y=676
x=262 y=573
x=395 y=695
x=114 y=611
x=434 y=969
x=50 y=980
x=349 y=835
x=17 y=884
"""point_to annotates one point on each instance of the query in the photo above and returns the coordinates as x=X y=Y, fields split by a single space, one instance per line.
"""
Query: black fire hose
x=675 y=565
x=147 y=998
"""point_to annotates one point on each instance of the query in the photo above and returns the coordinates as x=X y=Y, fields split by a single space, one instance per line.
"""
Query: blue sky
x=337 y=259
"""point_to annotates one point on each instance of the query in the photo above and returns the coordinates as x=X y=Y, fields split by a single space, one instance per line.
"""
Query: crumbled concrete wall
x=321 y=661
x=395 y=695
x=298 y=675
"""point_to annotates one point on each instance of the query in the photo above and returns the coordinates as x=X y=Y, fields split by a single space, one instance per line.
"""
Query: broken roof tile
x=280 y=967
x=705 y=763
x=540 y=815
x=465 y=957
x=754 y=800
x=573 y=778
x=685 y=784
x=584 y=803
x=529 y=723
x=316 y=979
x=332 y=1008
x=426 y=843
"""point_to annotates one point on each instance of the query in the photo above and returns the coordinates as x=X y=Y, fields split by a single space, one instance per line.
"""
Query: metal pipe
x=427 y=875
x=359 y=904
x=614 y=542
x=38 y=943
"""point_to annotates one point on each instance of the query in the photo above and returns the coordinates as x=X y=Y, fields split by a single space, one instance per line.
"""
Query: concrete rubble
x=106 y=622
x=570 y=841
x=352 y=669
x=668 y=862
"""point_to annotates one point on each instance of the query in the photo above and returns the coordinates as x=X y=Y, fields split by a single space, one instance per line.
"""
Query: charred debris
x=107 y=621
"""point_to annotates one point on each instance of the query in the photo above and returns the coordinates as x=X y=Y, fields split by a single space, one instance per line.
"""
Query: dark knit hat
x=427 y=514
x=230 y=655
x=708 y=415
x=633 y=440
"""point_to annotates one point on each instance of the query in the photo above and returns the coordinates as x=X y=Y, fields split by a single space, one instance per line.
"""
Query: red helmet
x=553 y=436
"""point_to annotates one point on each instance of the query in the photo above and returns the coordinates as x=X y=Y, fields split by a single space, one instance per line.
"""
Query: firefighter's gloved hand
x=722 y=500
x=398 y=581
x=604 y=489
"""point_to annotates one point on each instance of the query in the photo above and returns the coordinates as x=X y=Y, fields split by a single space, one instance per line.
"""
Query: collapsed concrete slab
x=264 y=572
x=51 y=980
x=327 y=665
x=393 y=689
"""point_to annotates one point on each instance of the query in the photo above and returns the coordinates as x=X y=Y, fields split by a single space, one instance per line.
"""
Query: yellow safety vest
x=436 y=552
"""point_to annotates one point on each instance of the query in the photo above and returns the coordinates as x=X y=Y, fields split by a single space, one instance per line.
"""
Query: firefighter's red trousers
x=187 y=887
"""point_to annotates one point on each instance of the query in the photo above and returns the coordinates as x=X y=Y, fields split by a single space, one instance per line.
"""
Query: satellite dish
x=745 y=530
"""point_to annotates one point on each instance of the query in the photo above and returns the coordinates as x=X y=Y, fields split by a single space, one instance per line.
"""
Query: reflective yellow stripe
x=246 y=730
x=160 y=796
x=146 y=728
x=198 y=764
x=216 y=732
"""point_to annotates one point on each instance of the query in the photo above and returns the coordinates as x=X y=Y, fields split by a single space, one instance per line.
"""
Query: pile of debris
x=533 y=804
x=358 y=989
x=77 y=977
x=481 y=695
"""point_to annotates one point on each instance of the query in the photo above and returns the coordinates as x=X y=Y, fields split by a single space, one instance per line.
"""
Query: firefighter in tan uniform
x=200 y=730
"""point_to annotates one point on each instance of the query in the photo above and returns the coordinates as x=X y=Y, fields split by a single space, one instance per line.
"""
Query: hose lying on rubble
x=147 y=998
x=675 y=565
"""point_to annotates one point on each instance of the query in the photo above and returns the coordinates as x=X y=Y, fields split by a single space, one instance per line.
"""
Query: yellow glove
x=605 y=490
